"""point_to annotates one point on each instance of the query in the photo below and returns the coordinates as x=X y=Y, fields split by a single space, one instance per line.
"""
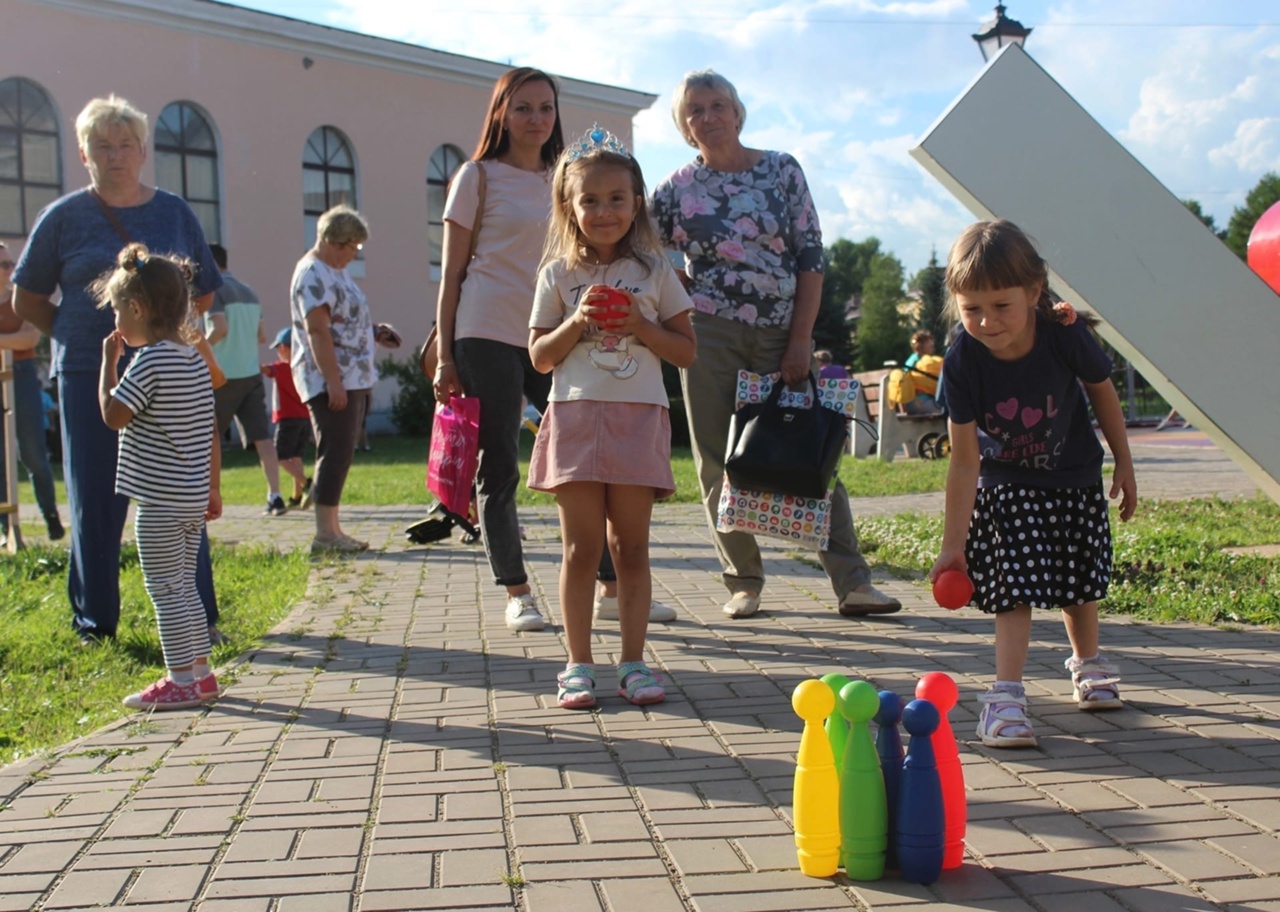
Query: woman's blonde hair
x=342 y=225
x=159 y=284
x=704 y=79
x=565 y=240
x=112 y=111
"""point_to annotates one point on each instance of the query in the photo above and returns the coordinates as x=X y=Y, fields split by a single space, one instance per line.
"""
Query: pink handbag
x=455 y=446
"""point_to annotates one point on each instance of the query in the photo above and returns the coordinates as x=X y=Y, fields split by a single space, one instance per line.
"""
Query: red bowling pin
x=940 y=690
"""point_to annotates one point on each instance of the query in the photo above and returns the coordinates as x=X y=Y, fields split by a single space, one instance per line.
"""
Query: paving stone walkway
x=392 y=746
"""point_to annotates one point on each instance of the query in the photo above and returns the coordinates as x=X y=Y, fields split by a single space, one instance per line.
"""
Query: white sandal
x=1003 y=720
x=1093 y=683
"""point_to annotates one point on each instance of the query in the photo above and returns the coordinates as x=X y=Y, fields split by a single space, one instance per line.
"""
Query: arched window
x=445 y=162
x=187 y=163
x=328 y=176
x=30 y=161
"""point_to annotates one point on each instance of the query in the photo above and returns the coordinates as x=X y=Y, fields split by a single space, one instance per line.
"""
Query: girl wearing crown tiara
x=607 y=310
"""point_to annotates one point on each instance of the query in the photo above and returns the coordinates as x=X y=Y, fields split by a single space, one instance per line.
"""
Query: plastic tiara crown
x=597 y=139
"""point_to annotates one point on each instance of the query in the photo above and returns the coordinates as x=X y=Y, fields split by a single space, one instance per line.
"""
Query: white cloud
x=849 y=85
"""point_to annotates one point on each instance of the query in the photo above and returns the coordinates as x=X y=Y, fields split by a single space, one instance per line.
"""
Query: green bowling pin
x=864 y=812
x=837 y=727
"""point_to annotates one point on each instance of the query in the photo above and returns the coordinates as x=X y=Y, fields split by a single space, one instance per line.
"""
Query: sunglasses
x=6 y=264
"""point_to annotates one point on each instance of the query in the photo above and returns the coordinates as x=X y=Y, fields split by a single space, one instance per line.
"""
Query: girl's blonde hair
x=565 y=240
x=159 y=283
x=993 y=255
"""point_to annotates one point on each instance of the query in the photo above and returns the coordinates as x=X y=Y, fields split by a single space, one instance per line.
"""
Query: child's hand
x=1124 y=484
x=266 y=370
x=591 y=311
x=1065 y=313
x=214 y=510
x=949 y=559
x=112 y=347
x=625 y=324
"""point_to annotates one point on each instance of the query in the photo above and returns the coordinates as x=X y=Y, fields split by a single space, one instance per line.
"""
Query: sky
x=1189 y=87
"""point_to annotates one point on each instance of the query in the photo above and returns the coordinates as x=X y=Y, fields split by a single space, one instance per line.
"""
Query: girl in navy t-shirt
x=1026 y=512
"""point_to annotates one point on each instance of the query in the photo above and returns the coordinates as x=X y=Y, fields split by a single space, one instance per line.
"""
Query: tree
x=1261 y=198
x=931 y=283
x=882 y=333
x=1209 y=222
x=846 y=266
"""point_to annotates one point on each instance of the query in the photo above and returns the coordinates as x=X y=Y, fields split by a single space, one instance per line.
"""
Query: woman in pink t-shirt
x=483 y=308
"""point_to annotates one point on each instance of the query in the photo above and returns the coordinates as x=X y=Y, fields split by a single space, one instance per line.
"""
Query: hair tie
x=137 y=262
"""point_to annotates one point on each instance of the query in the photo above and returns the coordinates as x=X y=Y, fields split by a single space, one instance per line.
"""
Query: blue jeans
x=98 y=513
x=32 y=451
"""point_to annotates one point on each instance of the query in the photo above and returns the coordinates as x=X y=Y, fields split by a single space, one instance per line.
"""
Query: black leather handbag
x=785 y=450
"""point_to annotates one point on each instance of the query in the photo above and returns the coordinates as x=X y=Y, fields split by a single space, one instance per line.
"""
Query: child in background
x=292 y=420
x=604 y=448
x=169 y=457
x=1026 y=512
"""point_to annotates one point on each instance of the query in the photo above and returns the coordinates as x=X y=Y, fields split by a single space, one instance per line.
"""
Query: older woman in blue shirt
x=74 y=240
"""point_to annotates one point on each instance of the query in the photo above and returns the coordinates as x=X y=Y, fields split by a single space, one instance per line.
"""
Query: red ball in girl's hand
x=616 y=304
x=952 y=589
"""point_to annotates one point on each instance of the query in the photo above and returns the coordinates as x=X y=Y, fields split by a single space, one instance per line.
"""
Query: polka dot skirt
x=1043 y=547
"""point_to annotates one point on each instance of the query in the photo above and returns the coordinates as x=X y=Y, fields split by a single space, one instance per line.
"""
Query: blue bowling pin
x=889 y=747
x=921 y=825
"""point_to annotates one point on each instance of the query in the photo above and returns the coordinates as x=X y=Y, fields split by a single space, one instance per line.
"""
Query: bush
x=414 y=405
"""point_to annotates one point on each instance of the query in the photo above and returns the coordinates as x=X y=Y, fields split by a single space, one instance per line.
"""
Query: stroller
x=440 y=521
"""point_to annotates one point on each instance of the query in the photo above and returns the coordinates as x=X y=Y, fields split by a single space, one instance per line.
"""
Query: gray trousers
x=500 y=376
x=710 y=387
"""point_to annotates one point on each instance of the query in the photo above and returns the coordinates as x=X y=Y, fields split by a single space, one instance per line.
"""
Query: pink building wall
x=396 y=104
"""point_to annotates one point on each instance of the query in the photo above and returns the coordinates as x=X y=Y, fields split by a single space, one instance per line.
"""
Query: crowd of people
x=556 y=292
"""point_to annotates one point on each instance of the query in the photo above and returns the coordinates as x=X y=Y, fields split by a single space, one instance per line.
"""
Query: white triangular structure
x=1193 y=319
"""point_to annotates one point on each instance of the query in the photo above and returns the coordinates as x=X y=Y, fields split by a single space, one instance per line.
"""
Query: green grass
x=1169 y=559
x=395 y=473
x=53 y=690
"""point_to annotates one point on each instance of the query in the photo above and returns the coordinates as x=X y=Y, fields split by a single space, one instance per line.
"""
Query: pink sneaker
x=208 y=687
x=167 y=694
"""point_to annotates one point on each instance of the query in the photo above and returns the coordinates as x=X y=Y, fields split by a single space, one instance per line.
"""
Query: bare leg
x=629 y=508
x=293 y=467
x=1082 y=629
x=1013 y=637
x=582 y=526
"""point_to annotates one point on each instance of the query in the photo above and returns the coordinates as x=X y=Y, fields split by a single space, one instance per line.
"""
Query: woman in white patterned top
x=169 y=457
x=332 y=362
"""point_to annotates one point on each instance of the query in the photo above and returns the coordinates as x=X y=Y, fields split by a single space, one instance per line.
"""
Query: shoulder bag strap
x=481 y=192
x=111 y=217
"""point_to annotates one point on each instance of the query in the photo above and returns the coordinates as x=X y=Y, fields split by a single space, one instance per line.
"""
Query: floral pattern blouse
x=745 y=236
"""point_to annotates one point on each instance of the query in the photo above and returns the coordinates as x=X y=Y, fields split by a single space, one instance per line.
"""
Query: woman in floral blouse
x=746 y=224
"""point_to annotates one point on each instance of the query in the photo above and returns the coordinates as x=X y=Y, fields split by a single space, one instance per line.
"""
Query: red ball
x=614 y=302
x=952 y=589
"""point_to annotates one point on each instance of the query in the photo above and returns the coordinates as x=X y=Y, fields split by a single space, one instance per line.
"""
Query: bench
x=896 y=431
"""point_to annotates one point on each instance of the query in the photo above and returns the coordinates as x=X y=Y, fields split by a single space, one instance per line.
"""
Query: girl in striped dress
x=169 y=457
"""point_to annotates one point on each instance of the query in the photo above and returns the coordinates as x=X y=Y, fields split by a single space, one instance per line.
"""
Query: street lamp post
x=999 y=32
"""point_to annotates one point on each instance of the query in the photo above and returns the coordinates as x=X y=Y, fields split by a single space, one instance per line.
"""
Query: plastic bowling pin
x=864 y=816
x=837 y=727
x=920 y=830
x=940 y=690
x=816 y=797
x=889 y=747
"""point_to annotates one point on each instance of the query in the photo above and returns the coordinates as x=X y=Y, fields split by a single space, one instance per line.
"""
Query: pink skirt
x=624 y=443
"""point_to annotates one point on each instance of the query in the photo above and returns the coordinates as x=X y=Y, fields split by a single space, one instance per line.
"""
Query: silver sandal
x=1003 y=720
x=1093 y=684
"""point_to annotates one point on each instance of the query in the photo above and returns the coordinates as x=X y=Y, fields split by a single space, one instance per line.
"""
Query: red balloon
x=952 y=589
x=1264 y=247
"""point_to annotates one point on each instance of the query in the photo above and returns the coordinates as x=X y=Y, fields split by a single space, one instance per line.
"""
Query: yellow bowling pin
x=816 y=797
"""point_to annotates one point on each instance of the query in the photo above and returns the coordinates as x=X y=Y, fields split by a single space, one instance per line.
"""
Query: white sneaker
x=523 y=613
x=742 y=605
x=607 y=610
